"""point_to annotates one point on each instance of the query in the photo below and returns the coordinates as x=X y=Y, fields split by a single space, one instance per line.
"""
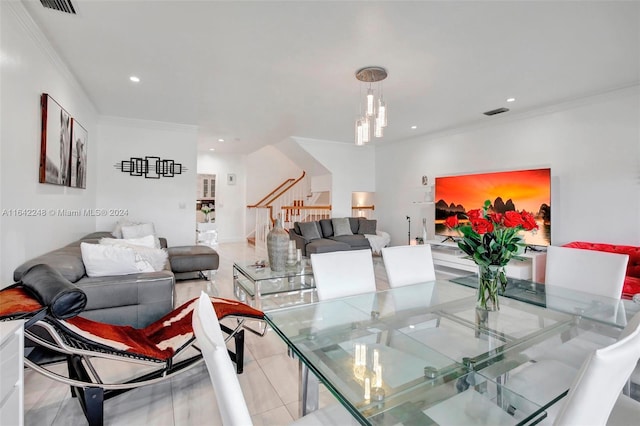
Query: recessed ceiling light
x=511 y=100
x=134 y=79
x=414 y=127
x=220 y=140
x=212 y=149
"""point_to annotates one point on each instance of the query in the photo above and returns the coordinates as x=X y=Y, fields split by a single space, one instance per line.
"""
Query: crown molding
x=31 y=28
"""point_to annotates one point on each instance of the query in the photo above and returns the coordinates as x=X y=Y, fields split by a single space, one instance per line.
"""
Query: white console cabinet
x=11 y=373
x=528 y=266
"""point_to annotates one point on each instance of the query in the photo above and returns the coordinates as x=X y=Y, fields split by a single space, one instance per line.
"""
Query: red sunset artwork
x=528 y=190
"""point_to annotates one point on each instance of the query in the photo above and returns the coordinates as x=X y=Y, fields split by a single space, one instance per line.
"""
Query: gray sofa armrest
x=301 y=243
x=135 y=299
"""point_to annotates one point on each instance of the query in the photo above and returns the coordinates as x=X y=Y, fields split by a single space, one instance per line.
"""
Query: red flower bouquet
x=492 y=239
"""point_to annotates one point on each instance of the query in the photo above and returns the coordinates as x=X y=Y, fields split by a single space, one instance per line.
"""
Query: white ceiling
x=255 y=73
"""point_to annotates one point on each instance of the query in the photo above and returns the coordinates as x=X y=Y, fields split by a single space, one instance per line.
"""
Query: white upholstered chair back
x=602 y=376
x=343 y=273
x=231 y=402
x=406 y=265
x=589 y=271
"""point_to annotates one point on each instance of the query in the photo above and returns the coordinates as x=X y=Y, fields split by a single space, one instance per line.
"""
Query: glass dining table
x=423 y=354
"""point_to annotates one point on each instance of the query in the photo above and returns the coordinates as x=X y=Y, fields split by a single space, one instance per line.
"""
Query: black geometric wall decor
x=150 y=167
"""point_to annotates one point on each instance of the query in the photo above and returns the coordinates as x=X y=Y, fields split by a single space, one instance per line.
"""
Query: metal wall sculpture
x=150 y=167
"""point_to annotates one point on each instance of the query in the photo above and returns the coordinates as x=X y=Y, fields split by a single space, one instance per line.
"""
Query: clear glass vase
x=491 y=279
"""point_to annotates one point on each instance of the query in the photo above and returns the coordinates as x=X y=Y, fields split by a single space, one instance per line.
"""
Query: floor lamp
x=409 y=232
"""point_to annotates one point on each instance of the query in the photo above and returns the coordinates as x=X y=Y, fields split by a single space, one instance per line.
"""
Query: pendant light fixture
x=374 y=117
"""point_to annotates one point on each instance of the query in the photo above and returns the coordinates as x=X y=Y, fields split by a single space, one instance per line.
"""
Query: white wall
x=266 y=169
x=592 y=147
x=352 y=170
x=29 y=67
x=321 y=183
x=168 y=202
x=231 y=201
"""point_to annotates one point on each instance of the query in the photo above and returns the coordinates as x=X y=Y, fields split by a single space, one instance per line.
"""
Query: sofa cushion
x=341 y=226
x=310 y=231
x=367 y=227
x=356 y=242
x=326 y=227
x=66 y=260
x=296 y=228
x=325 y=245
x=631 y=286
x=354 y=223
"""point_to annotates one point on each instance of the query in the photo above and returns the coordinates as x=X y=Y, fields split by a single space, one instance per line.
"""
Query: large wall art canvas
x=55 y=143
x=78 y=157
x=528 y=190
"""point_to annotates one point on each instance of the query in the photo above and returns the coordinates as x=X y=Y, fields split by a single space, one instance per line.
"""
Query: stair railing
x=290 y=192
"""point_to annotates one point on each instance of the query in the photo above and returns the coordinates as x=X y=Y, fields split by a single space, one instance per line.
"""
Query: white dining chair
x=406 y=265
x=597 y=388
x=589 y=271
x=343 y=273
x=551 y=375
x=231 y=402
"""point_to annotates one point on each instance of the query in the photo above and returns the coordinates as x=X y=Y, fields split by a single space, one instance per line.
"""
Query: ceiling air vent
x=496 y=111
x=61 y=5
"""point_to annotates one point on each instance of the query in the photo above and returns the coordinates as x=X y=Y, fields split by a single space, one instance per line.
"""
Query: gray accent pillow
x=341 y=226
x=367 y=227
x=354 y=222
x=310 y=231
x=327 y=228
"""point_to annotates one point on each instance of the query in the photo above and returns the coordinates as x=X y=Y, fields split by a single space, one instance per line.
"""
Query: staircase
x=287 y=200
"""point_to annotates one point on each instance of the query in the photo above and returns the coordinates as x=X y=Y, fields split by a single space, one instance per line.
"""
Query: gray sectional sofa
x=319 y=236
x=135 y=299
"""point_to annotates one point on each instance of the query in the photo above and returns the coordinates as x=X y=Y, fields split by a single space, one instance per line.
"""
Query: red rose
x=474 y=214
x=512 y=219
x=451 y=221
x=482 y=226
x=528 y=221
x=495 y=217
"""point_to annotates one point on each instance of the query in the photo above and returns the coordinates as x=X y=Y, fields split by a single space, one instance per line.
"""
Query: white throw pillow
x=137 y=231
x=117 y=231
x=149 y=259
x=148 y=241
x=106 y=260
x=140 y=230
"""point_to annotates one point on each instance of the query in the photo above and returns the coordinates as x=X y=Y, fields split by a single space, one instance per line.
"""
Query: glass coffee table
x=265 y=289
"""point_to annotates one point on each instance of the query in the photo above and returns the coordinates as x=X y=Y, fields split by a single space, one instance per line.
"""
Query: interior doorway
x=206 y=197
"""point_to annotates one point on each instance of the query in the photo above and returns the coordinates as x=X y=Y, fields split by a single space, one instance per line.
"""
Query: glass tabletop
x=259 y=272
x=587 y=305
x=410 y=342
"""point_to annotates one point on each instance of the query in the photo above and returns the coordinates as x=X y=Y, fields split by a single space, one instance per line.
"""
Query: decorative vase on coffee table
x=277 y=246
x=491 y=279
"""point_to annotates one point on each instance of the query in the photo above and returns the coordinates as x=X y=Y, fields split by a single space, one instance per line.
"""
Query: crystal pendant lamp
x=374 y=117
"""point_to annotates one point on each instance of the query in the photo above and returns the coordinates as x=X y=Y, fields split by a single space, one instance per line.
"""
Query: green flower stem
x=490 y=281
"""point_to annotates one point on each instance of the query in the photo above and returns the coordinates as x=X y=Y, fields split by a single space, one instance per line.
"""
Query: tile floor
x=269 y=381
